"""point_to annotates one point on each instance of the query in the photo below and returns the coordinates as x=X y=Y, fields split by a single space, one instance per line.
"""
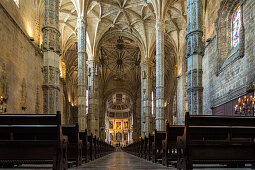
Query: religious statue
x=3 y=89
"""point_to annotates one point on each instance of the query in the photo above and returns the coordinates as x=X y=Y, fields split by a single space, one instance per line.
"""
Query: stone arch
x=112 y=91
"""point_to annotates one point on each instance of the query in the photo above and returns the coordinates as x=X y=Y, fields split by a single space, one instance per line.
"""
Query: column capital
x=160 y=20
x=93 y=63
x=160 y=24
x=82 y=21
x=145 y=63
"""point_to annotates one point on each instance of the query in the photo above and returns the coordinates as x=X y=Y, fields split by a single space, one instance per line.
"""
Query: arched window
x=152 y=103
x=87 y=102
x=16 y=2
x=236 y=26
x=230 y=34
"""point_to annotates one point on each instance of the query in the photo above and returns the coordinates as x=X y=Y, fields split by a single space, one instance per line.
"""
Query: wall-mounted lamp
x=3 y=104
x=31 y=39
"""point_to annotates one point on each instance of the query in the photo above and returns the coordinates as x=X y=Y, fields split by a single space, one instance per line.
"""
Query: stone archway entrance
x=119 y=119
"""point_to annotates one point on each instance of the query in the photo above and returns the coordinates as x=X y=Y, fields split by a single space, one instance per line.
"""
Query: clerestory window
x=87 y=102
x=236 y=26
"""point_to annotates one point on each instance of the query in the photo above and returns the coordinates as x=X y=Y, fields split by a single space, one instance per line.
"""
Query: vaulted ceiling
x=132 y=20
x=134 y=16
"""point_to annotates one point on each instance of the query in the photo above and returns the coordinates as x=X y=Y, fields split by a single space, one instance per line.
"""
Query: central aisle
x=119 y=161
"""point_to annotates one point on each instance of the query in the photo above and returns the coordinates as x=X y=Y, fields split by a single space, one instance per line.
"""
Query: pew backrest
x=172 y=131
x=72 y=131
x=209 y=120
x=30 y=119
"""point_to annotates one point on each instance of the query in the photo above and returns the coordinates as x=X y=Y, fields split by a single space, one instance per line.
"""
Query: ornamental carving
x=195 y=49
x=3 y=82
x=195 y=44
x=37 y=98
x=45 y=100
x=23 y=95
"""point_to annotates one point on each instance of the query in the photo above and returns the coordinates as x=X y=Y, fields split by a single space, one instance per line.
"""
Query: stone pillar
x=160 y=53
x=146 y=87
x=194 y=55
x=51 y=52
x=93 y=98
x=82 y=79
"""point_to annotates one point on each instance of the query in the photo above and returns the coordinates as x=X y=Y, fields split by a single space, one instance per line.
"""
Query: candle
x=239 y=100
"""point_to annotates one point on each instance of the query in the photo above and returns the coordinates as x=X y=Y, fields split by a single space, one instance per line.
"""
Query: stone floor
x=120 y=161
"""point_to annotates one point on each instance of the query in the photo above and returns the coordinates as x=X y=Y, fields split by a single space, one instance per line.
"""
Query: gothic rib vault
x=89 y=35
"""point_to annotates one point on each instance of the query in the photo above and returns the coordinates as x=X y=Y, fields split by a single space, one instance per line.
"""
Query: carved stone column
x=194 y=55
x=160 y=114
x=146 y=87
x=93 y=98
x=82 y=79
x=51 y=52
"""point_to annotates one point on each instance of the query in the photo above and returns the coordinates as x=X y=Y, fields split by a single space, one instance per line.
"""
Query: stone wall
x=219 y=87
x=21 y=58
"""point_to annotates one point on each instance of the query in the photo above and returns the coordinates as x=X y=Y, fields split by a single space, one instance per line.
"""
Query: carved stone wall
x=20 y=56
x=228 y=84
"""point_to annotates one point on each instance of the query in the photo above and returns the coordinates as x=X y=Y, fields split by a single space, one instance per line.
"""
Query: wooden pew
x=157 y=145
x=216 y=140
x=32 y=138
x=85 y=146
x=91 y=147
x=144 y=148
x=74 y=151
x=96 y=146
x=149 y=147
x=131 y=148
x=140 y=147
x=30 y=119
x=169 y=145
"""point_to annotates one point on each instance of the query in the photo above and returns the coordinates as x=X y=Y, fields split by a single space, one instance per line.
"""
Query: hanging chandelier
x=245 y=106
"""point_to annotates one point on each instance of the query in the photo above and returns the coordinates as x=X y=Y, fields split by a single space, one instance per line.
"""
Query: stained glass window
x=152 y=103
x=87 y=102
x=16 y=2
x=236 y=25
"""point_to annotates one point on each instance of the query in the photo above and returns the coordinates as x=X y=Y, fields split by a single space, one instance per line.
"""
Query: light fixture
x=245 y=106
x=31 y=39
